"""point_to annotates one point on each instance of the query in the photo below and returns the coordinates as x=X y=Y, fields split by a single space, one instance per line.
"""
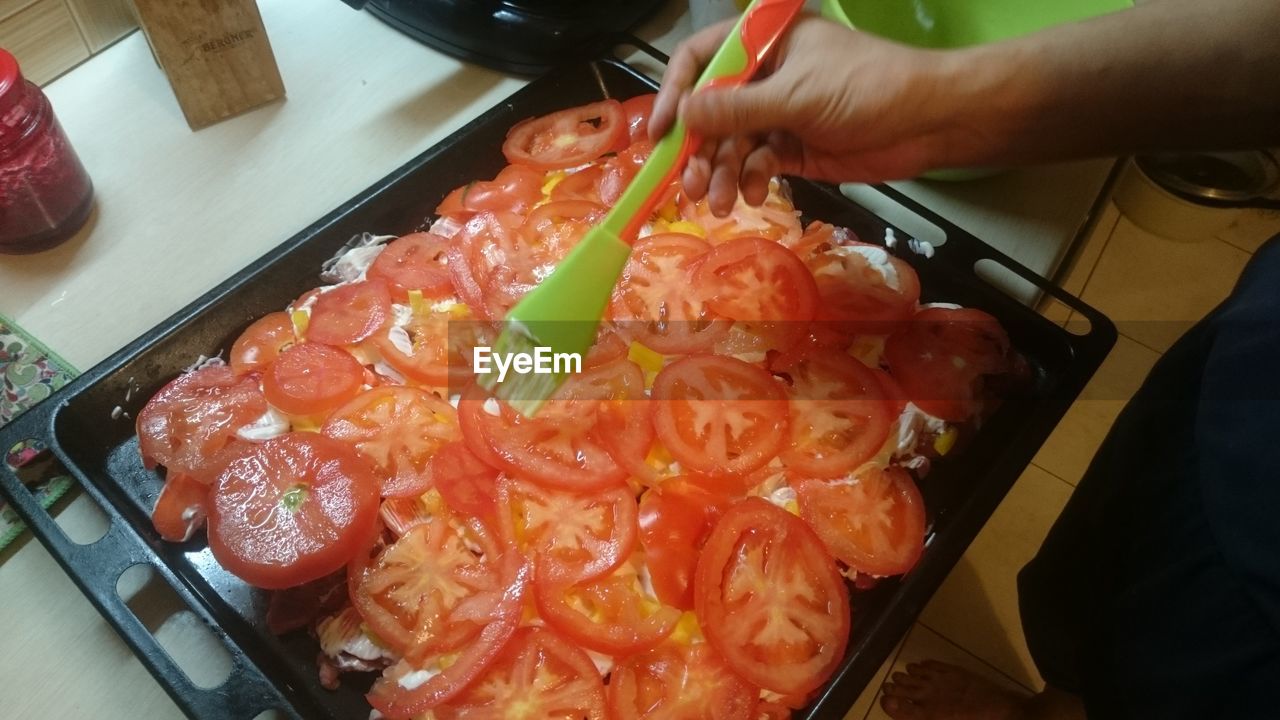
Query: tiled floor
x=1153 y=289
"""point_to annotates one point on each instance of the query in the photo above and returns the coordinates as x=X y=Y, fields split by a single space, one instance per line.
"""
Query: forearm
x=1176 y=74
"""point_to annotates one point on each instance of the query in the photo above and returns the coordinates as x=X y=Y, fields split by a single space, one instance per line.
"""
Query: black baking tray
x=96 y=442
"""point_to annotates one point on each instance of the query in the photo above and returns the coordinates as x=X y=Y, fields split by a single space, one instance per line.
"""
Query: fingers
x=683 y=70
x=752 y=108
x=722 y=192
x=760 y=166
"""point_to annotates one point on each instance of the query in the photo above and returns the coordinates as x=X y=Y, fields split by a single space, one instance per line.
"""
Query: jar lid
x=10 y=80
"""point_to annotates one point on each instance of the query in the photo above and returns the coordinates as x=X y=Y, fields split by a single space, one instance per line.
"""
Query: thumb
x=752 y=108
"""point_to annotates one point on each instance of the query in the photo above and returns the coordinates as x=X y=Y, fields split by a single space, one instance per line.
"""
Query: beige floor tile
x=1082 y=263
x=925 y=644
x=1154 y=289
x=868 y=697
x=1252 y=228
x=1069 y=449
x=977 y=605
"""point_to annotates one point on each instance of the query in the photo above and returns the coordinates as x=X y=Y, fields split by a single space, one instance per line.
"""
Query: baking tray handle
x=96 y=567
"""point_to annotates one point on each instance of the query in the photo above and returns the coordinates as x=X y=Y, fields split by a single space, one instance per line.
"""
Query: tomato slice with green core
x=291 y=509
x=349 y=313
x=181 y=508
x=309 y=379
x=840 y=416
x=539 y=675
x=185 y=425
x=678 y=681
x=417 y=261
x=573 y=537
x=433 y=589
x=398 y=429
x=719 y=415
x=874 y=522
x=261 y=343
x=566 y=138
x=611 y=614
x=771 y=600
x=657 y=302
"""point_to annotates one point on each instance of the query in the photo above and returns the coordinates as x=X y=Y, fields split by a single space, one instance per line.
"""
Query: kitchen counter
x=179 y=211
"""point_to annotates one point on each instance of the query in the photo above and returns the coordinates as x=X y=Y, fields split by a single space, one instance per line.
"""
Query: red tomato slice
x=840 y=416
x=675 y=520
x=349 y=313
x=763 y=284
x=291 y=510
x=435 y=588
x=516 y=189
x=544 y=239
x=941 y=357
x=563 y=447
x=719 y=415
x=676 y=681
x=469 y=487
x=573 y=537
x=777 y=219
x=638 y=109
x=618 y=172
x=408 y=689
x=469 y=263
x=187 y=423
x=566 y=138
x=538 y=675
x=398 y=430
x=310 y=379
x=417 y=261
x=622 y=618
x=771 y=600
x=181 y=508
x=874 y=524
x=440 y=345
x=657 y=303
x=864 y=289
x=581 y=185
x=261 y=343
x=772 y=711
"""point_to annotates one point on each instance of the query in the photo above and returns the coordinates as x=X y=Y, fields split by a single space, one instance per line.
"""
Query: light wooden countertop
x=178 y=212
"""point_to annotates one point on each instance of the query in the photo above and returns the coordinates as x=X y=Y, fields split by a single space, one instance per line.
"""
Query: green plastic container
x=942 y=24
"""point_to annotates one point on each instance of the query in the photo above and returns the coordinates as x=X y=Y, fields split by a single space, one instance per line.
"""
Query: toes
x=910 y=687
x=899 y=708
x=924 y=670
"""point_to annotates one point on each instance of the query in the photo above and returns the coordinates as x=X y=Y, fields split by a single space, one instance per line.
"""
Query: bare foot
x=934 y=690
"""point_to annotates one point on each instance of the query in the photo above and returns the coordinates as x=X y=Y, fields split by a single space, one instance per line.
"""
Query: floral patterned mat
x=29 y=373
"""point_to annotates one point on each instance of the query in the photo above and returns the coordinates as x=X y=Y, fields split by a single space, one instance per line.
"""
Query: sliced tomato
x=657 y=302
x=942 y=356
x=893 y=392
x=573 y=537
x=515 y=189
x=563 y=447
x=874 y=522
x=546 y=236
x=679 y=681
x=398 y=429
x=433 y=589
x=261 y=343
x=840 y=416
x=618 y=171
x=538 y=675
x=185 y=425
x=291 y=509
x=310 y=379
x=864 y=288
x=763 y=284
x=408 y=689
x=777 y=219
x=719 y=415
x=468 y=486
x=771 y=600
x=612 y=614
x=476 y=250
x=349 y=313
x=417 y=261
x=566 y=138
x=638 y=109
x=434 y=348
x=181 y=508
x=582 y=184
x=772 y=711
x=675 y=519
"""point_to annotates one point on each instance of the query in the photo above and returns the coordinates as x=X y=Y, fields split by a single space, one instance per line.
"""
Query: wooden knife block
x=216 y=54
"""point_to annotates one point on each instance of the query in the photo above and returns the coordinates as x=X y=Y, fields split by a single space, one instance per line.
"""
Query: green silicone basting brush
x=562 y=314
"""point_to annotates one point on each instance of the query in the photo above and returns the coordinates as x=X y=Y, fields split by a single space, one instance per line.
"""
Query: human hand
x=831 y=104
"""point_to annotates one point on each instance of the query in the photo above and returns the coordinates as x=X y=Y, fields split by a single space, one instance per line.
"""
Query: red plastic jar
x=45 y=194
